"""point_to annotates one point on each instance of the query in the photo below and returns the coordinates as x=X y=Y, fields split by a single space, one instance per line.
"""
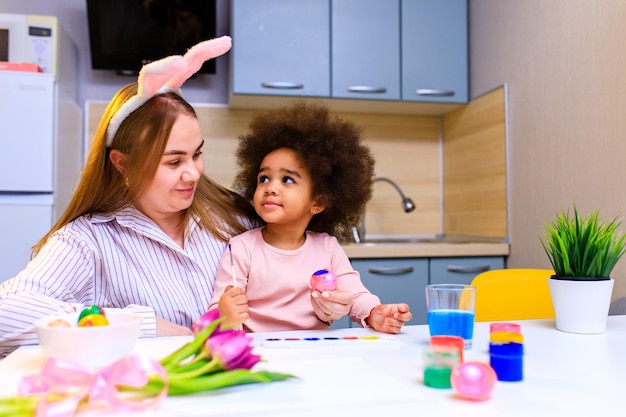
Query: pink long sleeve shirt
x=276 y=281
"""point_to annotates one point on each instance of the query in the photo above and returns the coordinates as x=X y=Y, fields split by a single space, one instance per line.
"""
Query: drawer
x=397 y=280
x=462 y=270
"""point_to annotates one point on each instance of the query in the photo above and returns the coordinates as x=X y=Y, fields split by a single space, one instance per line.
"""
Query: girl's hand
x=332 y=305
x=389 y=318
x=233 y=305
x=167 y=328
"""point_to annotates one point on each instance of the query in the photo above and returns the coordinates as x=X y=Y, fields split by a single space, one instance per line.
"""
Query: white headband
x=167 y=75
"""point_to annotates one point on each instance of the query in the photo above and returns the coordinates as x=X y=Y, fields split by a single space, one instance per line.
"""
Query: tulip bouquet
x=216 y=358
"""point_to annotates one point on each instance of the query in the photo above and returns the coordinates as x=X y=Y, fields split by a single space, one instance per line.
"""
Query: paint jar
x=506 y=357
x=438 y=364
x=450 y=341
x=505 y=327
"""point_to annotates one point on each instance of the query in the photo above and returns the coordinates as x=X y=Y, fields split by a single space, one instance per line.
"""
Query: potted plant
x=583 y=252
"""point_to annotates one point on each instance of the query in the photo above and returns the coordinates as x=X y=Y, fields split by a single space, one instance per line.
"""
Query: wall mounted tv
x=126 y=34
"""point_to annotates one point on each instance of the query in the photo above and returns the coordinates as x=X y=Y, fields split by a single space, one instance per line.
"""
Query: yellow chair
x=513 y=294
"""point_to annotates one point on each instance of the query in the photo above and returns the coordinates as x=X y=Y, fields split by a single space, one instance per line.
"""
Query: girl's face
x=284 y=190
x=174 y=183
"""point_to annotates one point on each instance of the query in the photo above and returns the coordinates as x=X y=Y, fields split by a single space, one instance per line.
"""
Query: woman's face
x=177 y=175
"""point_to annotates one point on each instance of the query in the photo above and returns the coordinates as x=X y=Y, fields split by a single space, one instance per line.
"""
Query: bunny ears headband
x=167 y=75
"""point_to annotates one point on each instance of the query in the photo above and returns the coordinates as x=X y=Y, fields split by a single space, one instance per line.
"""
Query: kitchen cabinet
x=365 y=49
x=342 y=323
x=461 y=270
x=396 y=280
x=435 y=51
x=394 y=50
x=281 y=47
x=402 y=280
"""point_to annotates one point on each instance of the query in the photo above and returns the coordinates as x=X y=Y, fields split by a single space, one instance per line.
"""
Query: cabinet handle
x=462 y=269
x=391 y=271
x=366 y=89
x=434 y=93
x=280 y=85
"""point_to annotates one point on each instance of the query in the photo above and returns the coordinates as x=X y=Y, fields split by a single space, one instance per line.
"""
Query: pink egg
x=473 y=380
x=323 y=280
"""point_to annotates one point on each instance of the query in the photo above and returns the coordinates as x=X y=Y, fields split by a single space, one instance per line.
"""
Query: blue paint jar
x=507 y=360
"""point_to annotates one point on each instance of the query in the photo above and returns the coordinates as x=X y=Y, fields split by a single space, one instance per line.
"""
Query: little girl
x=309 y=177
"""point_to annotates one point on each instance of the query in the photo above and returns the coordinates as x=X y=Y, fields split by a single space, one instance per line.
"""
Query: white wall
x=101 y=84
x=565 y=64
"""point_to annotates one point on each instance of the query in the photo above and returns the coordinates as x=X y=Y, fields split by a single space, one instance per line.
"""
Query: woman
x=145 y=228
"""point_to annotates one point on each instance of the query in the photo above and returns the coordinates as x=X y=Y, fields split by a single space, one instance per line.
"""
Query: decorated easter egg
x=93 y=320
x=473 y=380
x=59 y=323
x=323 y=280
x=91 y=310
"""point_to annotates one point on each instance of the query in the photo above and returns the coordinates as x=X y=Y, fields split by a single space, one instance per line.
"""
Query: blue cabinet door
x=462 y=270
x=435 y=51
x=281 y=47
x=397 y=280
x=365 y=49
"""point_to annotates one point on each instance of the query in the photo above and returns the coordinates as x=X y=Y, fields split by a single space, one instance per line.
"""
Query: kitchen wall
x=565 y=65
x=101 y=84
x=406 y=147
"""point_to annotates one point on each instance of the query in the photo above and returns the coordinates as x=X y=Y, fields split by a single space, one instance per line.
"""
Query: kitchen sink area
x=407 y=240
x=395 y=239
x=397 y=246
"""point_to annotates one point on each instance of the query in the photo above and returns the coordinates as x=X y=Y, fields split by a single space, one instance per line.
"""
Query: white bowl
x=96 y=346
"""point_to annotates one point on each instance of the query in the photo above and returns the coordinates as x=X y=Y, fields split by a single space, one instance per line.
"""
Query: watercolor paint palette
x=342 y=341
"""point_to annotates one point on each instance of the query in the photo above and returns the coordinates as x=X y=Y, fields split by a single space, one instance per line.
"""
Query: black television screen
x=126 y=34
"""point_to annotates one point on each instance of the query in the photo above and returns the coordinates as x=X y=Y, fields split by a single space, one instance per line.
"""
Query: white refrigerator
x=40 y=160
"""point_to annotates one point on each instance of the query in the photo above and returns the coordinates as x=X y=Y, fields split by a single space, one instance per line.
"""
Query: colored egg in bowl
x=96 y=343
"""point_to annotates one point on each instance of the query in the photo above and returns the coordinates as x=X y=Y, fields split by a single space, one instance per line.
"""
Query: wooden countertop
x=425 y=250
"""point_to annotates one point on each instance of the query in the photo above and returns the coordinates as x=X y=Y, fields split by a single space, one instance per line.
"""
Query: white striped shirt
x=117 y=260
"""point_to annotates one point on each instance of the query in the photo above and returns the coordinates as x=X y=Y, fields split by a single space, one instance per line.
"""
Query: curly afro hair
x=330 y=148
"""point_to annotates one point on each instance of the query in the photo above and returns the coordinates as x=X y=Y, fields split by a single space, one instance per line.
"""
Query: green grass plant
x=583 y=248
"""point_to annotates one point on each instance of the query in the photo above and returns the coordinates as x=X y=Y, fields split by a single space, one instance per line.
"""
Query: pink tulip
x=204 y=320
x=214 y=359
x=233 y=349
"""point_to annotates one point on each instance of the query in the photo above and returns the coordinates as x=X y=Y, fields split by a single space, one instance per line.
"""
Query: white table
x=564 y=375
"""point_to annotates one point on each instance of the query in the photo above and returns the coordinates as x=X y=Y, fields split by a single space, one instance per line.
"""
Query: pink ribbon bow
x=75 y=381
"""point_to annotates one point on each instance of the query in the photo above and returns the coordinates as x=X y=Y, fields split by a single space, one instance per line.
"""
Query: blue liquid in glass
x=452 y=323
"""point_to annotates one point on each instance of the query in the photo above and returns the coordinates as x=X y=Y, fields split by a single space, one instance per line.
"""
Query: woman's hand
x=332 y=305
x=167 y=328
x=233 y=305
x=389 y=318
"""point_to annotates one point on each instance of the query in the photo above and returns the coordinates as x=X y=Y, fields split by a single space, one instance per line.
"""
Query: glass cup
x=450 y=309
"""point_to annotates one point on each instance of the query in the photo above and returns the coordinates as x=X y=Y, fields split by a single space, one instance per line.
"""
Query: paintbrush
x=232 y=266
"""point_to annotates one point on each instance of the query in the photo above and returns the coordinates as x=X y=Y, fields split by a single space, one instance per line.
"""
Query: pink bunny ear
x=167 y=74
x=197 y=55
x=156 y=74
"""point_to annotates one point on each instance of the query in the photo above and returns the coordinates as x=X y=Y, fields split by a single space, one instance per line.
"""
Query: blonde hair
x=142 y=137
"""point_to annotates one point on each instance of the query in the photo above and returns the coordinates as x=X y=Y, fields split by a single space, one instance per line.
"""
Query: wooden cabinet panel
x=475 y=168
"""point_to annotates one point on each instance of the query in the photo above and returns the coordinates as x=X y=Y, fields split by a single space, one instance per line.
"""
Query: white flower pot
x=581 y=306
